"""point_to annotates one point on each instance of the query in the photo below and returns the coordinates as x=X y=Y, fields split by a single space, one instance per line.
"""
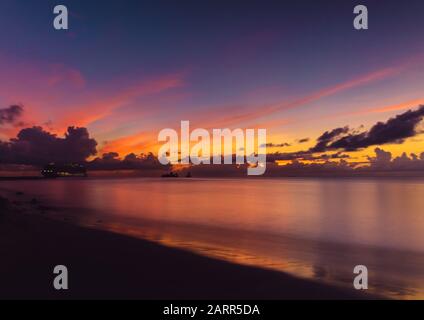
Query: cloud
x=103 y=104
x=237 y=115
x=327 y=137
x=276 y=145
x=143 y=140
x=395 y=130
x=11 y=114
x=111 y=161
x=288 y=156
x=304 y=156
x=383 y=161
x=34 y=146
x=304 y=140
x=45 y=88
x=382 y=164
x=62 y=95
x=325 y=156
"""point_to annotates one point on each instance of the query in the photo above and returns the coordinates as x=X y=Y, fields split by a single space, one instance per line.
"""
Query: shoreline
x=106 y=265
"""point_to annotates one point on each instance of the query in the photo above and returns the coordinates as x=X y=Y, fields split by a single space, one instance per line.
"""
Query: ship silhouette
x=53 y=170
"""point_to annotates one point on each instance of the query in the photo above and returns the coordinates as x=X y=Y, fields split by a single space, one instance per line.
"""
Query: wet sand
x=104 y=265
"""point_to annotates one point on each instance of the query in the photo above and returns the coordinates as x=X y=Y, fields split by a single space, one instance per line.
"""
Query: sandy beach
x=107 y=265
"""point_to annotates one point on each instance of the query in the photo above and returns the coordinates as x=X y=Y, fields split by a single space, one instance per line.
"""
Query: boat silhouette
x=53 y=170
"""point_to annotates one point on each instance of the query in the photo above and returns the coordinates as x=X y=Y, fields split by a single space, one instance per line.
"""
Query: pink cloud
x=102 y=104
x=62 y=96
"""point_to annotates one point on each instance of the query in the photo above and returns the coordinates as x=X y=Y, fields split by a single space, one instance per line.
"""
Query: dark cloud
x=330 y=165
x=38 y=147
x=304 y=156
x=35 y=146
x=276 y=145
x=111 y=161
x=287 y=156
x=110 y=156
x=327 y=137
x=383 y=160
x=323 y=168
x=395 y=130
x=338 y=155
x=11 y=114
x=304 y=140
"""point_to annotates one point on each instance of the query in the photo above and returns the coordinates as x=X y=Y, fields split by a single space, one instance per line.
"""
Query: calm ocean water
x=313 y=228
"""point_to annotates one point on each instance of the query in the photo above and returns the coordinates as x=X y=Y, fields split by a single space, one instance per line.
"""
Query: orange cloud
x=409 y=104
x=401 y=106
x=139 y=142
x=326 y=92
x=209 y=120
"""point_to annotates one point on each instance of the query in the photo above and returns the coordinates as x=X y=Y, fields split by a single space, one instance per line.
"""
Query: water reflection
x=312 y=228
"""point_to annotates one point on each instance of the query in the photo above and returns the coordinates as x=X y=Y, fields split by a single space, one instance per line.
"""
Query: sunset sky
x=127 y=69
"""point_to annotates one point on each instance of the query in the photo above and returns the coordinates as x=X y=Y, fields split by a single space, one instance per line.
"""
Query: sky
x=127 y=69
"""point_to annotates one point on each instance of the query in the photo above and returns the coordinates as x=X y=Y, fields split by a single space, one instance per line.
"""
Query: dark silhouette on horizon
x=171 y=174
x=53 y=170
